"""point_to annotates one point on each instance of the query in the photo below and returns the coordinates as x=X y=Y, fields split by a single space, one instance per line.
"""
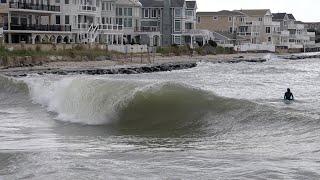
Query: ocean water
x=215 y=121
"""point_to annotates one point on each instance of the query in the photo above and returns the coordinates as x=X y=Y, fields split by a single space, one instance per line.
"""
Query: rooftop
x=254 y=12
x=221 y=13
x=191 y=4
x=278 y=16
x=160 y=3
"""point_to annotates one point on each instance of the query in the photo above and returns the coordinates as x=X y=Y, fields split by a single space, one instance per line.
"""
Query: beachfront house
x=224 y=25
x=174 y=21
x=70 y=21
x=295 y=34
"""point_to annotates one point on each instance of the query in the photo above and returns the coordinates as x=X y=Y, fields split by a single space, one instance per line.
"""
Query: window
x=177 y=25
x=146 y=13
x=242 y=19
x=177 y=12
x=215 y=18
x=230 y=29
x=3 y=1
x=67 y=19
x=268 y=30
x=119 y=11
x=189 y=13
x=230 y=19
x=103 y=6
x=260 y=19
x=177 y=40
x=125 y=11
x=129 y=11
x=154 y=13
x=269 y=39
x=57 y=19
x=199 y=19
x=57 y=1
x=66 y=1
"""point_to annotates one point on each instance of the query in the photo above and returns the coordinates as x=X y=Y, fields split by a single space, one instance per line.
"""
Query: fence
x=255 y=47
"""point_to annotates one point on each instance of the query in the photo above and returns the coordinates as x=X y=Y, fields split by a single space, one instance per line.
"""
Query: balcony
x=37 y=7
x=88 y=8
x=34 y=27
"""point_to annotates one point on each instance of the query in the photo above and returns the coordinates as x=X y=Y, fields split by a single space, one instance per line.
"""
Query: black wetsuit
x=288 y=96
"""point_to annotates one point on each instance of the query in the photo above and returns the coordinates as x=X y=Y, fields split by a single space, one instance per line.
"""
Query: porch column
x=9 y=28
x=117 y=39
x=33 y=39
x=112 y=39
x=50 y=20
x=191 y=44
x=107 y=39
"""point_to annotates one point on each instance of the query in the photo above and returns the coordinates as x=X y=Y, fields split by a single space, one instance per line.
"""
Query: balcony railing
x=34 y=27
x=88 y=26
x=147 y=29
x=30 y=6
x=88 y=8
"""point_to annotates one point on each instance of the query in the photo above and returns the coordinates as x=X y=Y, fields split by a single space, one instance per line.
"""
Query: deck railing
x=30 y=6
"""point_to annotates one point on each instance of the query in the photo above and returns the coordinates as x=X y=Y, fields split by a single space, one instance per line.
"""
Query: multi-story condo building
x=174 y=20
x=258 y=26
x=152 y=22
x=254 y=26
x=70 y=21
x=221 y=21
x=295 y=34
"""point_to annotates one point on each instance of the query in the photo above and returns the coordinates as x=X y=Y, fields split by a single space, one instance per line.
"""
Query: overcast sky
x=304 y=10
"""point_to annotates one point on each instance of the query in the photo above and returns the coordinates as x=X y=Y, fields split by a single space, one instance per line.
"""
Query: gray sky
x=304 y=10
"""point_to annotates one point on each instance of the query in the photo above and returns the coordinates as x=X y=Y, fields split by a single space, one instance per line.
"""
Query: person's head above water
x=288 y=90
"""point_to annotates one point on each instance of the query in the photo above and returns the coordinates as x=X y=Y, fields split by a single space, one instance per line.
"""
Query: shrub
x=212 y=43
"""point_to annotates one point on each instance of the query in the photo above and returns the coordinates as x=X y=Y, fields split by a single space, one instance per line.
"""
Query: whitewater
x=215 y=121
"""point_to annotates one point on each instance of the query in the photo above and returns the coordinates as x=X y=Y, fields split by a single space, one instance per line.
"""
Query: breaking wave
x=140 y=107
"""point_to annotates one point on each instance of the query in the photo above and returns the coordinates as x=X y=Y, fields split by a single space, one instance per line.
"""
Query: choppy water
x=216 y=121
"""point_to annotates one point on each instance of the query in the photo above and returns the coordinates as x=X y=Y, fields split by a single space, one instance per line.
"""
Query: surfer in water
x=288 y=95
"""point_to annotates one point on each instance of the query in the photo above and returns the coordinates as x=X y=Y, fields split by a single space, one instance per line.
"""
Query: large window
x=177 y=26
x=268 y=30
x=146 y=13
x=177 y=40
x=177 y=12
x=119 y=11
x=129 y=11
x=154 y=13
x=57 y=19
x=67 y=19
x=189 y=13
x=66 y=1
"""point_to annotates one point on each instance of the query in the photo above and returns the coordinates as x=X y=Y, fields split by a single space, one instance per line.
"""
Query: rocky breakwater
x=101 y=71
x=302 y=56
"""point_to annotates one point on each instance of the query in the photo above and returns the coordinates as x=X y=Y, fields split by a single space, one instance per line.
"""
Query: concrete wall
x=128 y=48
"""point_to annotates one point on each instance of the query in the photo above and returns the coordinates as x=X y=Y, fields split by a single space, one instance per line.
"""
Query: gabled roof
x=278 y=16
x=191 y=4
x=255 y=12
x=220 y=13
x=291 y=17
x=160 y=3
